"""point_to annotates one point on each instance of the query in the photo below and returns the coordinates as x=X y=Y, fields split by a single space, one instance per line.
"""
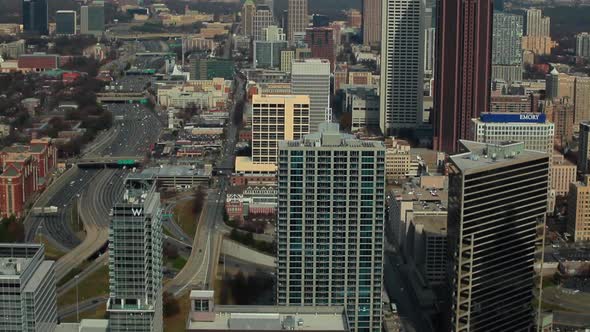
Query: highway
x=200 y=270
x=93 y=190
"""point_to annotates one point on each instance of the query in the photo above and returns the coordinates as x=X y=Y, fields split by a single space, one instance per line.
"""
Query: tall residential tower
x=330 y=224
x=402 y=65
x=311 y=77
x=135 y=259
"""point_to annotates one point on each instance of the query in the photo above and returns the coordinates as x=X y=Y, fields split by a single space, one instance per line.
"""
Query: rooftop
x=13 y=266
x=274 y=318
x=432 y=224
x=175 y=171
x=481 y=156
x=330 y=136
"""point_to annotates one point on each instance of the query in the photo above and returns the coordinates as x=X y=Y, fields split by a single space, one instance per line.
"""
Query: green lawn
x=177 y=323
x=185 y=218
x=95 y=284
x=178 y=263
x=73 y=273
x=51 y=252
x=98 y=313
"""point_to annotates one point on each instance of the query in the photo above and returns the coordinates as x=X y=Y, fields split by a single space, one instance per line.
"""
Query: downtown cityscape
x=279 y=165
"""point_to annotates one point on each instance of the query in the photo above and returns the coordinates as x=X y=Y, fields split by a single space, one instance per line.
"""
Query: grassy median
x=95 y=284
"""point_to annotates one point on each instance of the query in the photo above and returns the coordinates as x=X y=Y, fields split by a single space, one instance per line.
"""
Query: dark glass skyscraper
x=496 y=219
x=35 y=16
x=462 y=70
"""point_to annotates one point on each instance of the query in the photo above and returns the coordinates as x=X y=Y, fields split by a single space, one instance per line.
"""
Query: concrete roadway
x=200 y=269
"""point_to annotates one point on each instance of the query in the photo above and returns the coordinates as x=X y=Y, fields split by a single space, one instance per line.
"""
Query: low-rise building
x=38 y=62
x=204 y=315
x=514 y=104
x=203 y=93
x=244 y=201
x=397 y=159
x=13 y=49
x=180 y=177
x=363 y=104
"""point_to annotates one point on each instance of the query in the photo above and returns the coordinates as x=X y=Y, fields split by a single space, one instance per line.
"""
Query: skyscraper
x=92 y=19
x=330 y=224
x=298 y=19
x=584 y=148
x=496 y=220
x=65 y=22
x=263 y=18
x=583 y=44
x=35 y=16
x=462 y=70
x=135 y=260
x=402 y=68
x=372 y=22
x=321 y=43
x=506 y=47
x=311 y=77
x=536 y=24
x=429 y=50
x=248 y=11
x=27 y=289
x=581 y=100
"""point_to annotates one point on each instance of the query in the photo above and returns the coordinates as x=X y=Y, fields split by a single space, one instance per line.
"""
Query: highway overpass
x=109 y=162
x=121 y=97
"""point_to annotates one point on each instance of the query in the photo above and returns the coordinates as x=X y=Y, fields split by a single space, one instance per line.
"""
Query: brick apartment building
x=25 y=169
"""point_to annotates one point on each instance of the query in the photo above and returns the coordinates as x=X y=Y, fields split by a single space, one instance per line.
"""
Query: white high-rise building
x=402 y=68
x=263 y=18
x=429 y=48
x=536 y=24
x=311 y=77
x=27 y=289
x=135 y=259
x=330 y=224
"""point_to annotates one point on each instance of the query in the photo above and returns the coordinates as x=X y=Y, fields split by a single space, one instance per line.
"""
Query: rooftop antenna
x=328 y=114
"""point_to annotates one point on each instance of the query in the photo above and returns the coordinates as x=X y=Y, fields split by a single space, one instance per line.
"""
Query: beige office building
x=297 y=20
x=581 y=100
x=287 y=61
x=274 y=118
x=578 y=223
x=563 y=173
x=397 y=159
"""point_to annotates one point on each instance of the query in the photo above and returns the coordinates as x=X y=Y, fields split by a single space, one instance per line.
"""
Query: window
x=201 y=305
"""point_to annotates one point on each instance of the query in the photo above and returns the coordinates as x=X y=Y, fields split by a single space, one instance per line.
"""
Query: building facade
x=533 y=129
x=35 y=17
x=321 y=43
x=276 y=118
x=263 y=18
x=583 y=44
x=402 y=68
x=462 y=70
x=248 y=11
x=65 y=22
x=497 y=205
x=92 y=19
x=297 y=20
x=506 y=44
x=578 y=221
x=584 y=148
x=536 y=24
x=311 y=77
x=330 y=224
x=135 y=260
x=429 y=50
x=27 y=289
x=372 y=22
x=563 y=173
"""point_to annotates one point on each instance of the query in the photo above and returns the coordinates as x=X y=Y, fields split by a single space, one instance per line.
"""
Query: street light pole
x=77 y=303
